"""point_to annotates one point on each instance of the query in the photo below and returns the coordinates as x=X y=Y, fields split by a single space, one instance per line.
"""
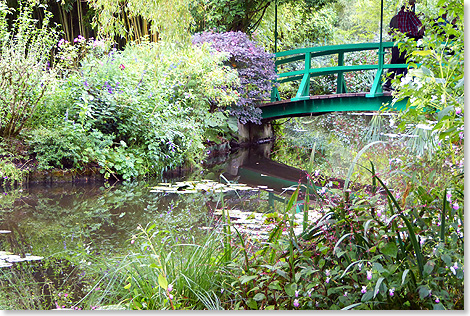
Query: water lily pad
x=4 y=264
x=15 y=258
x=5 y=231
x=199 y=186
x=32 y=258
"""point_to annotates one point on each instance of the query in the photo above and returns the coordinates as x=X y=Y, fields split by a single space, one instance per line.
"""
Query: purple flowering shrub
x=255 y=69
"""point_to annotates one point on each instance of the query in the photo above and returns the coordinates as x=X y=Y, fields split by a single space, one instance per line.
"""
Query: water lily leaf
x=31 y=258
x=4 y=264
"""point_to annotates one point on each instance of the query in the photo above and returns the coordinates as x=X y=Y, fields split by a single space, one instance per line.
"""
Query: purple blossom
x=170 y=287
x=449 y=197
x=364 y=289
x=369 y=275
x=437 y=300
x=297 y=293
x=455 y=206
x=255 y=68
x=296 y=303
x=327 y=280
x=458 y=110
x=391 y=291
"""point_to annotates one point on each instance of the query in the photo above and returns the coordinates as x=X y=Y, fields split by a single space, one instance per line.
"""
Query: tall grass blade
x=353 y=164
x=277 y=231
x=443 y=217
x=409 y=227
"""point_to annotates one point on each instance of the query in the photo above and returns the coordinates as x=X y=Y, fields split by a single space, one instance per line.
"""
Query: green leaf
x=444 y=112
x=403 y=277
x=339 y=241
x=378 y=267
x=438 y=306
x=428 y=267
x=151 y=227
x=367 y=296
x=251 y=303
x=270 y=307
x=390 y=249
x=246 y=278
x=290 y=289
x=274 y=286
x=447 y=260
x=423 y=291
x=259 y=297
x=422 y=53
x=128 y=286
x=377 y=286
x=162 y=281
x=350 y=306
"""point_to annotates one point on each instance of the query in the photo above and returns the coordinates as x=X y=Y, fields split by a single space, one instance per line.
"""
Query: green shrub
x=24 y=77
x=154 y=101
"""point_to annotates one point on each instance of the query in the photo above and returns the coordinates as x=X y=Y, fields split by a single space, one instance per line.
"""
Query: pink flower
x=369 y=275
x=455 y=206
x=170 y=287
x=449 y=197
x=345 y=294
x=122 y=67
x=297 y=293
x=391 y=291
x=296 y=303
x=170 y=296
x=437 y=300
x=458 y=110
x=327 y=280
x=132 y=241
x=364 y=289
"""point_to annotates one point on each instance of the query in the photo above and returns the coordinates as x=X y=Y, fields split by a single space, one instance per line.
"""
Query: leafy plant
x=24 y=75
x=255 y=69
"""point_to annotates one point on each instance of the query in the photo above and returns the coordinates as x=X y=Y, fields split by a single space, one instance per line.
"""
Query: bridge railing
x=306 y=54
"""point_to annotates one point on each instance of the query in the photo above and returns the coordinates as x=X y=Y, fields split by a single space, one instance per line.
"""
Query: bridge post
x=304 y=89
x=340 y=83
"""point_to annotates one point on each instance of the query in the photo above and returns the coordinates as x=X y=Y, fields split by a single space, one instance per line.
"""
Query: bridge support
x=251 y=133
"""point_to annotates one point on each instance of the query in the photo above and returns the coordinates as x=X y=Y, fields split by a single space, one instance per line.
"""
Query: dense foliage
x=392 y=237
x=24 y=54
x=136 y=111
x=255 y=69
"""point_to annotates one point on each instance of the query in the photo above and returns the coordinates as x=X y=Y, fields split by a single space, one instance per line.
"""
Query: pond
x=60 y=221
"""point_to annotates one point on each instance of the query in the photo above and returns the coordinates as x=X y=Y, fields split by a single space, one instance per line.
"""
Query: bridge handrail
x=308 y=53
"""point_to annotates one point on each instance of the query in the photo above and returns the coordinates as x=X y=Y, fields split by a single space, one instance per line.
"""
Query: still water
x=49 y=219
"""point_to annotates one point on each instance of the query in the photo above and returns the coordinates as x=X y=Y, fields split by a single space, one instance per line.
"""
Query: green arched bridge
x=304 y=104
